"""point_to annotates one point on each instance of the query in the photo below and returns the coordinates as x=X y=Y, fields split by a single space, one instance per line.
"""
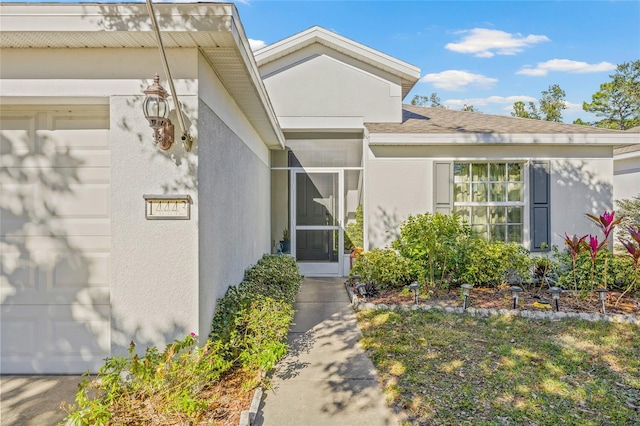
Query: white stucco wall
x=154 y=287
x=395 y=189
x=579 y=186
x=399 y=182
x=234 y=191
x=626 y=177
x=316 y=81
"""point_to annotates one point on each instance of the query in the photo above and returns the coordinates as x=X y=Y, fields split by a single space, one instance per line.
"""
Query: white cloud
x=566 y=65
x=256 y=44
x=485 y=43
x=458 y=80
x=490 y=100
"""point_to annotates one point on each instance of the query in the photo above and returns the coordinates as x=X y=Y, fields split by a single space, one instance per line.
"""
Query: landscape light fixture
x=414 y=287
x=515 y=294
x=602 y=295
x=156 y=111
x=555 y=295
x=466 y=290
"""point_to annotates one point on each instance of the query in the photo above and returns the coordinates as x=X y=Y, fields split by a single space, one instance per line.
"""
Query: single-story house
x=290 y=139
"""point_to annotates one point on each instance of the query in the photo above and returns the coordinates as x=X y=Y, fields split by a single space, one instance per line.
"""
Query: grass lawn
x=444 y=369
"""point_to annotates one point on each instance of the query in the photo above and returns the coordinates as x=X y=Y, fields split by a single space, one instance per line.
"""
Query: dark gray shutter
x=540 y=205
x=443 y=187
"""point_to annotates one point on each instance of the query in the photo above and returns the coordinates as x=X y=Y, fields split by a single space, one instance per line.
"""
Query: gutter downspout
x=187 y=139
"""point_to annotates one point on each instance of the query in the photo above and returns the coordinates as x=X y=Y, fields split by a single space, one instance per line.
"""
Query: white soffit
x=214 y=28
x=409 y=74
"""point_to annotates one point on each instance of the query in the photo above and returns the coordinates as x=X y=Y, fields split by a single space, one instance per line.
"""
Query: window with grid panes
x=490 y=197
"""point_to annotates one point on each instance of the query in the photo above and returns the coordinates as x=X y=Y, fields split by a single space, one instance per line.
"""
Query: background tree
x=550 y=107
x=522 y=111
x=469 y=108
x=552 y=103
x=432 y=100
x=618 y=101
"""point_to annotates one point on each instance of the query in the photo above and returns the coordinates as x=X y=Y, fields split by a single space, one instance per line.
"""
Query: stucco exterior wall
x=394 y=190
x=234 y=189
x=626 y=178
x=579 y=186
x=154 y=288
x=320 y=82
x=399 y=182
x=235 y=210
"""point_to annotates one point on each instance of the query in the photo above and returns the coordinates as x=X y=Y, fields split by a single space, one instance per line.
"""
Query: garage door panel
x=82 y=201
x=59 y=276
x=55 y=238
x=44 y=338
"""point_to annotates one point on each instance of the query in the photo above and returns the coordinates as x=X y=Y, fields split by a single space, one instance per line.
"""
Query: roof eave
x=409 y=74
x=204 y=26
x=416 y=139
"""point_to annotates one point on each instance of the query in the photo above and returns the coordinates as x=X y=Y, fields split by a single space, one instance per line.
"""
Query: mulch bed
x=500 y=298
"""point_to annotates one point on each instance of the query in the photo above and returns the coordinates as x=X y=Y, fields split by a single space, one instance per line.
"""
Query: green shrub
x=353 y=233
x=277 y=277
x=435 y=243
x=177 y=386
x=169 y=387
x=619 y=270
x=385 y=268
x=489 y=263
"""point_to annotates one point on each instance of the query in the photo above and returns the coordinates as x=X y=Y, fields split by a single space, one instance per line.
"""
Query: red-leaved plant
x=633 y=248
x=606 y=222
x=576 y=246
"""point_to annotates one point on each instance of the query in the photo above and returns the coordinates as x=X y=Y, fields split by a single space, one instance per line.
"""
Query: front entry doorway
x=316 y=210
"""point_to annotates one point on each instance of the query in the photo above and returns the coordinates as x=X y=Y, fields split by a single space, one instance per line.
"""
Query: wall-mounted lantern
x=156 y=111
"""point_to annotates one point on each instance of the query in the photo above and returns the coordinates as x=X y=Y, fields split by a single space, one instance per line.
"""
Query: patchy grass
x=446 y=369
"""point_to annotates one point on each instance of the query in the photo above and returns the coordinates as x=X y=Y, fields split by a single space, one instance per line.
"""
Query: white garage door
x=54 y=239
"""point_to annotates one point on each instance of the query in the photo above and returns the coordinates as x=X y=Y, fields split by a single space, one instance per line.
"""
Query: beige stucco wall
x=234 y=189
x=395 y=189
x=626 y=178
x=320 y=82
x=399 y=182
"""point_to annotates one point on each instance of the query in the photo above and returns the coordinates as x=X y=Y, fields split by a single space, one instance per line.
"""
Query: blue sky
x=487 y=54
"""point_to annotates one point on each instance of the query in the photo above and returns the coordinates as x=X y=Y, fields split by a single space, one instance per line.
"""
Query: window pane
x=498 y=214
x=479 y=231
x=516 y=192
x=498 y=232
x=463 y=212
x=515 y=234
x=479 y=215
x=497 y=171
x=498 y=191
x=479 y=192
x=461 y=192
x=461 y=172
x=479 y=172
x=514 y=214
x=515 y=172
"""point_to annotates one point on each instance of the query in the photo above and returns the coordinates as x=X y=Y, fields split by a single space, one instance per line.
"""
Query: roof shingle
x=418 y=119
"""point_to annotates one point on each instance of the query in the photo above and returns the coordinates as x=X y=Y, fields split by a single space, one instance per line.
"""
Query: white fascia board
x=499 y=138
x=321 y=123
x=247 y=56
x=342 y=44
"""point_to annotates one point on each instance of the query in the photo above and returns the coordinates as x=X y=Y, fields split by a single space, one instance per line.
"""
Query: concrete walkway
x=35 y=400
x=326 y=379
